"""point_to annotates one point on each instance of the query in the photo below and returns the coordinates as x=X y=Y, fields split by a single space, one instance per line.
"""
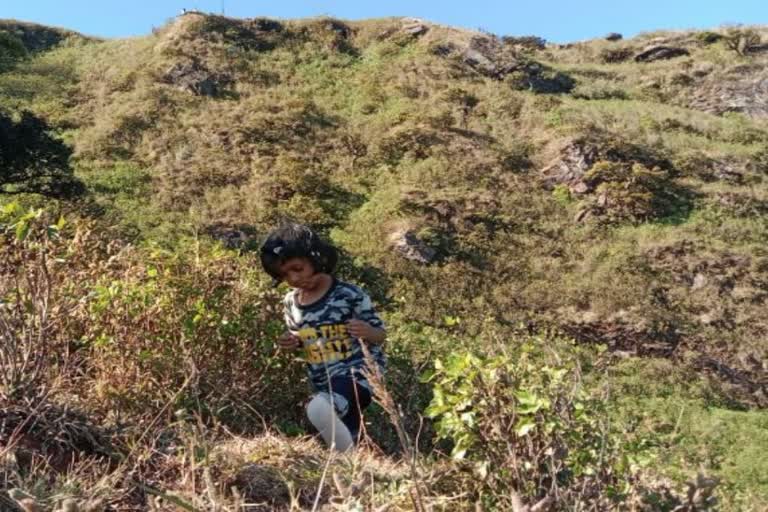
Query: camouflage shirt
x=328 y=349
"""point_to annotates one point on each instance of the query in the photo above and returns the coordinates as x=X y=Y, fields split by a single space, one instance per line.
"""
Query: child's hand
x=288 y=341
x=365 y=331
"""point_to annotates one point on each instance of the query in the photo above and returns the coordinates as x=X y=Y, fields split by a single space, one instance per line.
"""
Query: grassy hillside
x=600 y=207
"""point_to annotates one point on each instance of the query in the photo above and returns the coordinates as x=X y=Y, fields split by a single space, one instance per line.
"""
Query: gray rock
x=569 y=168
x=414 y=26
x=195 y=78
x=726 y=171
x=480 y=62
x=232 y=237
x=614 y=36
x=747 y=94
x=415 y=30
x=410 y=247
x=660 y=52
x=488 y=56
x=582 y=215
x=579 y=188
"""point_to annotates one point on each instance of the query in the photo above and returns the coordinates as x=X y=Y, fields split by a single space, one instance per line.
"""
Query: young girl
x=329 y=319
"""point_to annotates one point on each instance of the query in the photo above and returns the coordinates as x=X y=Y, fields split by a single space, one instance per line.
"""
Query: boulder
x=484 y=54
x=614 y=36
x=480 y=62
x=195 y=78
x=408 y=245
x=726 y=171
x=233 y=237
x=414 y=27
x=660 y=52
x=569 y=167
x=699 y=281
x=415 y=30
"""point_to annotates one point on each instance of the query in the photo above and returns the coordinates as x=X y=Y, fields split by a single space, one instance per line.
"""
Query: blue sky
x=555 y=20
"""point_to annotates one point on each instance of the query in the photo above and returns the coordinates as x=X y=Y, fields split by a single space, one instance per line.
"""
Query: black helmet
x=296 y=241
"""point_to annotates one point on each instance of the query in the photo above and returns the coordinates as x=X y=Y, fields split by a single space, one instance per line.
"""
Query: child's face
x=300 y=273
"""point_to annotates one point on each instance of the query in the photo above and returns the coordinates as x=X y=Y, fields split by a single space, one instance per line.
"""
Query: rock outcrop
x=660 y=52
x=195 y=78
x=747 y=95
x=408 y=245
x=414 y=27
x=569 y=168
x=491 y=57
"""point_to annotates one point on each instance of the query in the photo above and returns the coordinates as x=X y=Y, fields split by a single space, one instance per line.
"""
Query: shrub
x=29 y=349
x=527 y=42
x=32 y=160
x=707 y=37
x=529 y=430
x=629 y=191
x=12 y=50
x=742 y=41
x=614 y=55
x=562 y=194
x=147 y=329
x=541 y=79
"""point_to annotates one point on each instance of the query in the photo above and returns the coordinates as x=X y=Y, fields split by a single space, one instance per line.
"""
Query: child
x=329 y=319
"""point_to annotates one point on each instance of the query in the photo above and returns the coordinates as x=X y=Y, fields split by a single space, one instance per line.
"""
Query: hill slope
x=615 y=191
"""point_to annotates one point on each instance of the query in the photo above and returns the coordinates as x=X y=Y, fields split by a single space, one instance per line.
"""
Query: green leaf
x=427 y=375
x=458 y=454
x=11 y=209
x=526 y=397
x=524 y=426
x=451 y=321
x=22 y=230
x=529 y=408
x=435 y=410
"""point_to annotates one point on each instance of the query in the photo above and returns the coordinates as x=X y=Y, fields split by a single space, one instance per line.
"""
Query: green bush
x=527 y=427
x=194 y=330
x=629 y=191
x=32 y=159
x=12 y=50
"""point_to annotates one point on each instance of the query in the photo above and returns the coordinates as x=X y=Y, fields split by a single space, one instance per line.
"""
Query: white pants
x=322 y=415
